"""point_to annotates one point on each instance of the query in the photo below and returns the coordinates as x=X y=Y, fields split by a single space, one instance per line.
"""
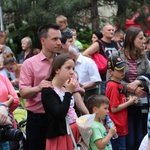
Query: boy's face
x=64 y=48
x=102 y=111
x=62 y=25
x=118 y=74
x=70 y=42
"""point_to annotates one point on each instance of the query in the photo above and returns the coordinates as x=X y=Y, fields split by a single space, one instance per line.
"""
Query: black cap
x=116 y=63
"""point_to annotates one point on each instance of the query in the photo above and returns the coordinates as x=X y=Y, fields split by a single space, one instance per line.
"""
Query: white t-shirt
x=144 y=143
x=86 y=70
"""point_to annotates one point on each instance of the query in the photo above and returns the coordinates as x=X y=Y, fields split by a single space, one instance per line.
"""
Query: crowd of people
x=61 y=82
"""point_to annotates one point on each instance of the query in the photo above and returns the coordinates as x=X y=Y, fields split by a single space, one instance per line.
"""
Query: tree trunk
x=94 y=15
x=121 y=14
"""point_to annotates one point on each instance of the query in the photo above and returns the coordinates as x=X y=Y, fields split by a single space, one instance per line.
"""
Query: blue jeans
x=4 y=146
x=135 y=134
x=119 y=143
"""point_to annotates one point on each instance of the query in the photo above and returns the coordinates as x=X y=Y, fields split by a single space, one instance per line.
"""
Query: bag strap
x=101 y=45
x=72 y=137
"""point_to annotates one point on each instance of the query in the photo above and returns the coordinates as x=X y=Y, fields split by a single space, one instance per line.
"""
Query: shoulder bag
x=100 y=60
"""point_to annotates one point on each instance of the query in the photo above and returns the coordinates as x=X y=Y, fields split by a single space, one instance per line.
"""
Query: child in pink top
x=71 y=115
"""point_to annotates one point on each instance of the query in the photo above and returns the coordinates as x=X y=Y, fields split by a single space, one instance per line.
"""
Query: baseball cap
x=116 y=63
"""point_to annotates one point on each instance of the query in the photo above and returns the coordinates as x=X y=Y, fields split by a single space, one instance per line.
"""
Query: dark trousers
x=36 y=131
x=135 y=134
x=90 y=92
x=103 y=87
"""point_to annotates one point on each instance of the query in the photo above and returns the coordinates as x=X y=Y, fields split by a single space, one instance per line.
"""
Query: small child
x=100 y=138
x=118 y=100
x=63 y=24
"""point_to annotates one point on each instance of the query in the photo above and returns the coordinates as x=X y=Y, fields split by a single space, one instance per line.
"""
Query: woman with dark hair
x=96 y=35
x=137 y=64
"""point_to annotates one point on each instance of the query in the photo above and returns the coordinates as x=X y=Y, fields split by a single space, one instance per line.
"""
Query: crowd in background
x=61 y=82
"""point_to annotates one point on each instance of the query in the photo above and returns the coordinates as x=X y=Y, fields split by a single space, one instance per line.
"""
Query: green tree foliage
x=128 y=8
x=23 y=17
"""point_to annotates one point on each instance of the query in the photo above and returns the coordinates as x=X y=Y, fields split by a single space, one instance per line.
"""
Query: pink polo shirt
x=6 y=89
x=33 y=71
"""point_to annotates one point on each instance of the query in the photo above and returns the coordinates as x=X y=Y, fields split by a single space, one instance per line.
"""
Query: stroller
x=20 y=115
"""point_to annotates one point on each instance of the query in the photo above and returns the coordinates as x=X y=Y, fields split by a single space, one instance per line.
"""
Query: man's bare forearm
x=80 y=104
x=29 y=92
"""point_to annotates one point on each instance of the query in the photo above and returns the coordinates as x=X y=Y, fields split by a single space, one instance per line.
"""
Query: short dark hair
x=65 y=36
x=43 y=30
x=96 y=101
x=118 y=32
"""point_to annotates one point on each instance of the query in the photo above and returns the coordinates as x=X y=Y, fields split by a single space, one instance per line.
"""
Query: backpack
x=100 y=59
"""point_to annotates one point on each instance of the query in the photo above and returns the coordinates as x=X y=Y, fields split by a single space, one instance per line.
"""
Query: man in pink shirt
x=32 y=79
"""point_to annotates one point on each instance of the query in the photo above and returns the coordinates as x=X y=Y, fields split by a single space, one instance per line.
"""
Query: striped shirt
x=132 y=70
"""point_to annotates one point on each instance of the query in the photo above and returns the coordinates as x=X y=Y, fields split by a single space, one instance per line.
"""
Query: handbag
x=101 y=62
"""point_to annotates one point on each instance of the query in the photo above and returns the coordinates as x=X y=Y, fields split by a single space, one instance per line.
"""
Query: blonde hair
x=61 y=18
x=8 y=58
x=28 y=40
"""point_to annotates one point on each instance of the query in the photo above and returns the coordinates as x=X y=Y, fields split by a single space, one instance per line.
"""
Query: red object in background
x=130 y=23
x=148 y=26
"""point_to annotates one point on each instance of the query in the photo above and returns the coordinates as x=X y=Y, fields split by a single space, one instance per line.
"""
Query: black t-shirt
x=109 y=47
x=106 y=49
